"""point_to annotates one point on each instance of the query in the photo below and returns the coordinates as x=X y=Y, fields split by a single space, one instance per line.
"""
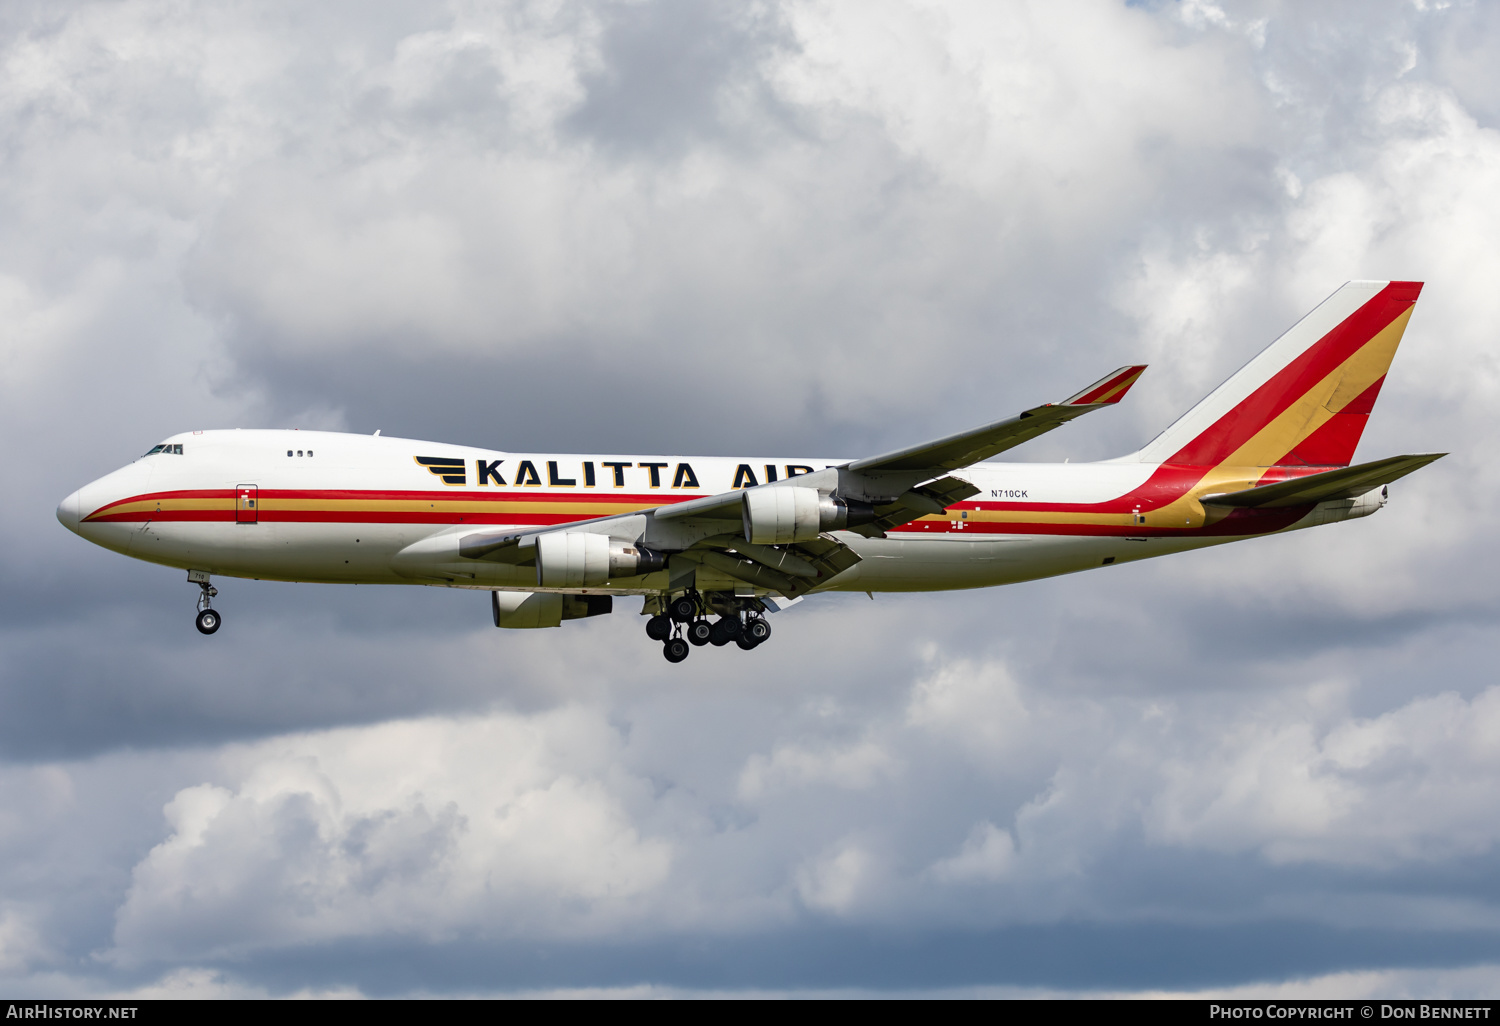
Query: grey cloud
x=672 y=74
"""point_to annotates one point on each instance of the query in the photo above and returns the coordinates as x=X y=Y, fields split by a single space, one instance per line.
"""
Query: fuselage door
x=244 y=505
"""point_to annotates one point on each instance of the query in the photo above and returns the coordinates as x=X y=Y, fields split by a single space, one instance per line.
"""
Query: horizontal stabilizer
x=1346 y=483
x=961 y=450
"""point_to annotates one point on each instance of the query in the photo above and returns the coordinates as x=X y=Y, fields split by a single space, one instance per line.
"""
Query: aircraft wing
x=724 y=506
x=793 y=570
x=504 y=546
x=970 y=447
x=496 y=546
x=925 y=500
x=1345 y=483
x=926 y=489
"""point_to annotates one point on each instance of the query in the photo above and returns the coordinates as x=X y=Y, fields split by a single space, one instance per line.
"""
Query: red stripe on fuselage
x=1166 y=485
x=1237 y=522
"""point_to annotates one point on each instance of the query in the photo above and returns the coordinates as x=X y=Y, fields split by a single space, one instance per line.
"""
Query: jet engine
x=781 y=516
x=575 y=559
x=525 y=609
x=1334 y=510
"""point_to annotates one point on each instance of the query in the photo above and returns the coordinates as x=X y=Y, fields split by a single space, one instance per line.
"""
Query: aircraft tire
x=745 y=641
x=683 y=609
x=659 y=628
x=676 y=650
x=208 y=621
x=699 y=632
x=723 y=632
x=758 y=630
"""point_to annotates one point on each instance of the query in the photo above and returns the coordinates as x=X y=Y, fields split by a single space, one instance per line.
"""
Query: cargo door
x=244 y=505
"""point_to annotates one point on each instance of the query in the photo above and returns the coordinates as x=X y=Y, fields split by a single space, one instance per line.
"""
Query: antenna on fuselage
x=377 y=433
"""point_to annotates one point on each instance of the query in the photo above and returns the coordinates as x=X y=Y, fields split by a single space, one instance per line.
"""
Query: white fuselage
x=346 y=508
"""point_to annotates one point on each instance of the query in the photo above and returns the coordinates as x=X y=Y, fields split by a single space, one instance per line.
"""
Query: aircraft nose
x=70 y=511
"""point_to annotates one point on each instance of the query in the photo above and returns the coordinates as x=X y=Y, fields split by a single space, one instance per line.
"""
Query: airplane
x=714 y=544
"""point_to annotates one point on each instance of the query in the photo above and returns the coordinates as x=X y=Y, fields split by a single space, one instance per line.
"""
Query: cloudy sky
x=800 y=227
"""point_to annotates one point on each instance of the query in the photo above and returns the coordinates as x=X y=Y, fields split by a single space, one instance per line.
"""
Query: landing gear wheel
x=659 y=628
x=683 y=609
x=757 y=630
x=745 y=641
x=208 y=621
x=676 y=650
x=725 y=630
x=699 y=632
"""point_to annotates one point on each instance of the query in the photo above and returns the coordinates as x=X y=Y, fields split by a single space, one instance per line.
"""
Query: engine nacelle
x=576 y=559
x=519 y=610
x=781 y=516
x=1335 y=510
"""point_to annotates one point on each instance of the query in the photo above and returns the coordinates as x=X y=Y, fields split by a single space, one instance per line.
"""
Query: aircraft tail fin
x=1305 y=399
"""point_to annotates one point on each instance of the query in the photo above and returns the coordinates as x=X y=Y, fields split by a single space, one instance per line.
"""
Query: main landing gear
x=208 y=619
x=684 y=622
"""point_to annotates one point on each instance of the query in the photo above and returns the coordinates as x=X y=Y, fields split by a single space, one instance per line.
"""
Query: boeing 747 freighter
x=712 y=544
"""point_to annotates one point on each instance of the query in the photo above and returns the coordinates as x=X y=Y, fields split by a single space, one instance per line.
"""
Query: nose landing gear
x=208 y=619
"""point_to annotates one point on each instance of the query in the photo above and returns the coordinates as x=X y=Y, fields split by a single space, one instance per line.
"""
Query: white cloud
x=987 y=855
x=418 y=827
x=540 y=825
x=836 y=880
x=857 y=766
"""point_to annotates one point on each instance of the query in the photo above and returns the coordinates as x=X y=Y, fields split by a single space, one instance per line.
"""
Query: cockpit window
x=175 y=449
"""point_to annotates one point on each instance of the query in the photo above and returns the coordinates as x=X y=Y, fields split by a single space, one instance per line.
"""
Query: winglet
x=1109 y=389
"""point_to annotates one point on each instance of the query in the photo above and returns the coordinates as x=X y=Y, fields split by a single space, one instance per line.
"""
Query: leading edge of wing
x=969 y=447
x=1344 y=483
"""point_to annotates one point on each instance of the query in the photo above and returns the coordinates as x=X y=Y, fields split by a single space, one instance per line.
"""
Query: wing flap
x=757 y=565
x=1345 y=483
x=925 y=500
